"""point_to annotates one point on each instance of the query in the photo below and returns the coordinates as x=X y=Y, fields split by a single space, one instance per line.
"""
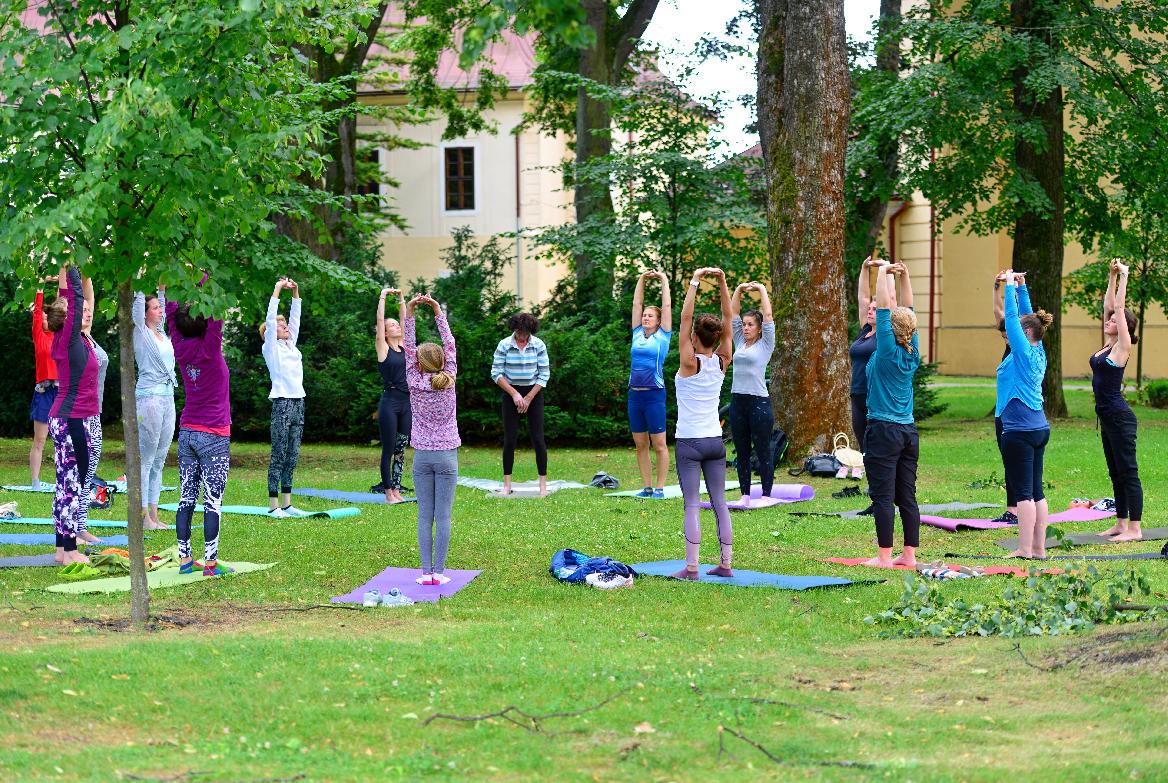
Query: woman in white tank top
x=705 y=354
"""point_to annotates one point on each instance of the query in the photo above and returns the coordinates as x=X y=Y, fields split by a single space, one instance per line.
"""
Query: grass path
x=249 y=689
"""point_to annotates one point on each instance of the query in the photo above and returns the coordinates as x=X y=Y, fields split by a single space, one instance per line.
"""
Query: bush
x=1157 y=392
x=926 y=401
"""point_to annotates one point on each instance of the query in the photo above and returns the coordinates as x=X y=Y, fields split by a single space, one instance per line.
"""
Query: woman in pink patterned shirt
x=430 y=374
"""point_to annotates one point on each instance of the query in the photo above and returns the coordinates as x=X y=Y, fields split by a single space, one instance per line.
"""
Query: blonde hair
x=432 y=359
x=904 y=324
x=264 y=325
x=1037 y=323
x=655 y=309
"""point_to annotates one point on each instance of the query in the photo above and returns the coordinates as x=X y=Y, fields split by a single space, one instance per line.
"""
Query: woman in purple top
x=204 y=436
x=430 y=374
x=74 y=419
x=1117 y=423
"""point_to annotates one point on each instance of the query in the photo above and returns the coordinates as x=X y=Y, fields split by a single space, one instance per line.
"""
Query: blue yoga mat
x=743 y=578
x=348 y=497
x=48 y=539
x=49 y=521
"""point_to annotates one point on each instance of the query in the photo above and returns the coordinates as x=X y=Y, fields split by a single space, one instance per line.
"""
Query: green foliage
x=1157 y=392
x=926 y=400
x=677 y=205
x=1050 y=605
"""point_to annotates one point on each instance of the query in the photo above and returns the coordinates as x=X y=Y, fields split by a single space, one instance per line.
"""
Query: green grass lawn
x=249 y=689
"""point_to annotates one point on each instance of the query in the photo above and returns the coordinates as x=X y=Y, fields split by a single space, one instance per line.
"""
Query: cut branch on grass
x=309 y=608
x=521 y=718
x=724 y=730
x=760 y=700
x=163 y=778
x=1018 y=649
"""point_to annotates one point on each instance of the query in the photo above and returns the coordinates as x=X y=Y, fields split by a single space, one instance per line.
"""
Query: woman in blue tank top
x=1117 y=423
x=652 y=329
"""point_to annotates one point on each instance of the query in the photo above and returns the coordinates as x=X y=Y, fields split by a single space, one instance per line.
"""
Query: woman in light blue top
x=652 y=330
x=1025 y=430
x=154 y=397
x=752 y=418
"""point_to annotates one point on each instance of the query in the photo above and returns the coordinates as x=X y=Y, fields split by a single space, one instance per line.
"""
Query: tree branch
x=73 y=48
x=632 y=27
x=724 y=730
x=354 y=59
x=532 y=723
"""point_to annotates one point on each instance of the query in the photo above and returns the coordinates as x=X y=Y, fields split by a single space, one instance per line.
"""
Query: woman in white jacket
x=286 y=368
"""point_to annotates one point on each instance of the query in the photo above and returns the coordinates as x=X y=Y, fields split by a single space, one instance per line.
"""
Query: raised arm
x=1109 y=297
x=382 y=346
x=1015 y=334
x=273 y=312
x=768 y=315
x=904 y=293
x=1024 y=305
x=38 y=311
x=410 y=346
x=726 y=345
x=294 y=314
x=87 y=293
x=685 y=339
x=736 y=300
x=138 y=310
x=883 y=296
x=666 y=303
x=638 y=302
x=1123 y=342
x=72 y=288
x=863 y=295
x=448 y=346
x=999 y=309
x=161 y=293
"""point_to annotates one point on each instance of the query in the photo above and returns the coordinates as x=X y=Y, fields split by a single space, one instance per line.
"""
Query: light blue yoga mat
x=744 y=578
x=262 y=511
x=49 y=539
x=29 y=561
x=348 y=497
x=49 y=521
x=50 y=488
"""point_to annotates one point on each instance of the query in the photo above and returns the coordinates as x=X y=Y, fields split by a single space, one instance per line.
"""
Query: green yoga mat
x=163 y=577
x=262 y=511
x=671 y=491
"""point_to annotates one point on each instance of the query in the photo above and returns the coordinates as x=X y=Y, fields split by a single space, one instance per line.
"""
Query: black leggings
x=1119 y=449
x=393 y=419
x=752 y=420
x=534 y=415
x=1023 y=451
x=891 y=461
x=859 y=417
x=1011 y=495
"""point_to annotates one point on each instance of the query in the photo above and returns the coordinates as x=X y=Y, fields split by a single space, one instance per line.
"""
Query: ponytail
x=432 y=359
x=1037 y=323
x=904 y=325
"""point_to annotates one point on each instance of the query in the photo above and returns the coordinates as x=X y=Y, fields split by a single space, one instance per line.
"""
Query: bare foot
x=543 y=493
x=878 y=562
x=75 y=557
x=1129 y=535
x=906 y=560
x=59 y=555
x=686 y=573
x=88 y=537
x=720 y=570
x=1019 y=554
x=150 y=524
x=1114 y=530
x=396 y=496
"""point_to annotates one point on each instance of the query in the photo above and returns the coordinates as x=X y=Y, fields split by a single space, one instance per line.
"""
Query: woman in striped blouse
x=521 y=369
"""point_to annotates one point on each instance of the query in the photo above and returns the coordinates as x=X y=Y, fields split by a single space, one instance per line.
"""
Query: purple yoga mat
x=780 y=493
x=1070 y=515
x=403 y=579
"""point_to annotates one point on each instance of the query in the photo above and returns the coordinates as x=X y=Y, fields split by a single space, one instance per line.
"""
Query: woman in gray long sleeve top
x=752 y=419
x=154 y=396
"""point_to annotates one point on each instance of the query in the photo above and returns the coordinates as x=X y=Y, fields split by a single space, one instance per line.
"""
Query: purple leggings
x=698 y=458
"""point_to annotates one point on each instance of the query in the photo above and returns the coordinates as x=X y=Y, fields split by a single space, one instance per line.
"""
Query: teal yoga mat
x=163 y=577
x=671 y=491
x=262 y=511
x=743 y=578
x=50 y=488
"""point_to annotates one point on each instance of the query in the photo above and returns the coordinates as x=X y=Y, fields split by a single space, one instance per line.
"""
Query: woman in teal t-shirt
x=652 y=329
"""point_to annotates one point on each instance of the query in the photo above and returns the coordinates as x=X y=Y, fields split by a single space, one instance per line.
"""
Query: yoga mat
x=28 y=561
x=1086 y=539
x=120 y=486
x=347 y=497
x=671 y=491
x=1070 y=515
x=1133 y=556
x=521 y=489
x=163 y=577
x=988 y=570
x=48 y=521
x=262 y=511
x=780 y=493
x=744 y=578
x=403 y=579
x=48 y=539
x=924 y=508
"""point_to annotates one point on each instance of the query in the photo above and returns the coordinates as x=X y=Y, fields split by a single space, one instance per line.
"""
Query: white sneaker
x=608 y=581
x=371 y=598
x=395 y=598
x=292 y=511
x=279 y=513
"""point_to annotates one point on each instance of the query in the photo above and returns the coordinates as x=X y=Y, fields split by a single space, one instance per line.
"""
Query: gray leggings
x=698 y=458
x=287 y=429
x=435 y=477
x=155 y=433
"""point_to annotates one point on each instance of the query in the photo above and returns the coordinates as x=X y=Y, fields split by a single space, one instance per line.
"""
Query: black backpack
x=819 y=466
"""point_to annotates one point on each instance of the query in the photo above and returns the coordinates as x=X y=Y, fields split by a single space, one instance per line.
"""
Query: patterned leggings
x=203 y=459
x=77 y=449
x=287 y=430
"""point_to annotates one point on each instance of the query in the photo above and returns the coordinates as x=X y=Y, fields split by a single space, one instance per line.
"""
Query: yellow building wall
x=966 y=339
x=419 y=198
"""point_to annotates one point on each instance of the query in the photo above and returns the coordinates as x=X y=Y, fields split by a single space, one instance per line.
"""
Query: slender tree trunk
x=139 y=591
x=803 y=108
x=1038 y=234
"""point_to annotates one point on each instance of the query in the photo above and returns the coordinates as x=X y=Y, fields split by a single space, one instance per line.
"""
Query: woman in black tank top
x=393 y=412
x=1117 y=423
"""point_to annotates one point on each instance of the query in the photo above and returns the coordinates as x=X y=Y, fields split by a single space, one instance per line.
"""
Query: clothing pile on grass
x=603 y=573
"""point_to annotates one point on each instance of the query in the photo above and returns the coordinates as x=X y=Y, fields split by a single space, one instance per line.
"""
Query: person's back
x=205 y=377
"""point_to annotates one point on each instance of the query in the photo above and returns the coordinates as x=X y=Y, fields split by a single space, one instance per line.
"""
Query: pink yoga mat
x=1070 y=515
x=988 y=571
x=780 y=493
x=403 y=579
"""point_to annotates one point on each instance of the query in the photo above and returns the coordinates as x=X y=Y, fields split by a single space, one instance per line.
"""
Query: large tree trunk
x=139 y=591
x=1038 y=235
x=803 y=108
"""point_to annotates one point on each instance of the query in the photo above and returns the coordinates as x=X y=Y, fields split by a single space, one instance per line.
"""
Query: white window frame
x=477 y=159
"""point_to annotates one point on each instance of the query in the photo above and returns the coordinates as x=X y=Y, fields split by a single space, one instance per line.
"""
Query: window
x=459 y=176
x=369 y=171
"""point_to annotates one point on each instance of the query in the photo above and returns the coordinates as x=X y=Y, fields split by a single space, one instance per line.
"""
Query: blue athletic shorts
x=41 y=403
x=647 y=411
